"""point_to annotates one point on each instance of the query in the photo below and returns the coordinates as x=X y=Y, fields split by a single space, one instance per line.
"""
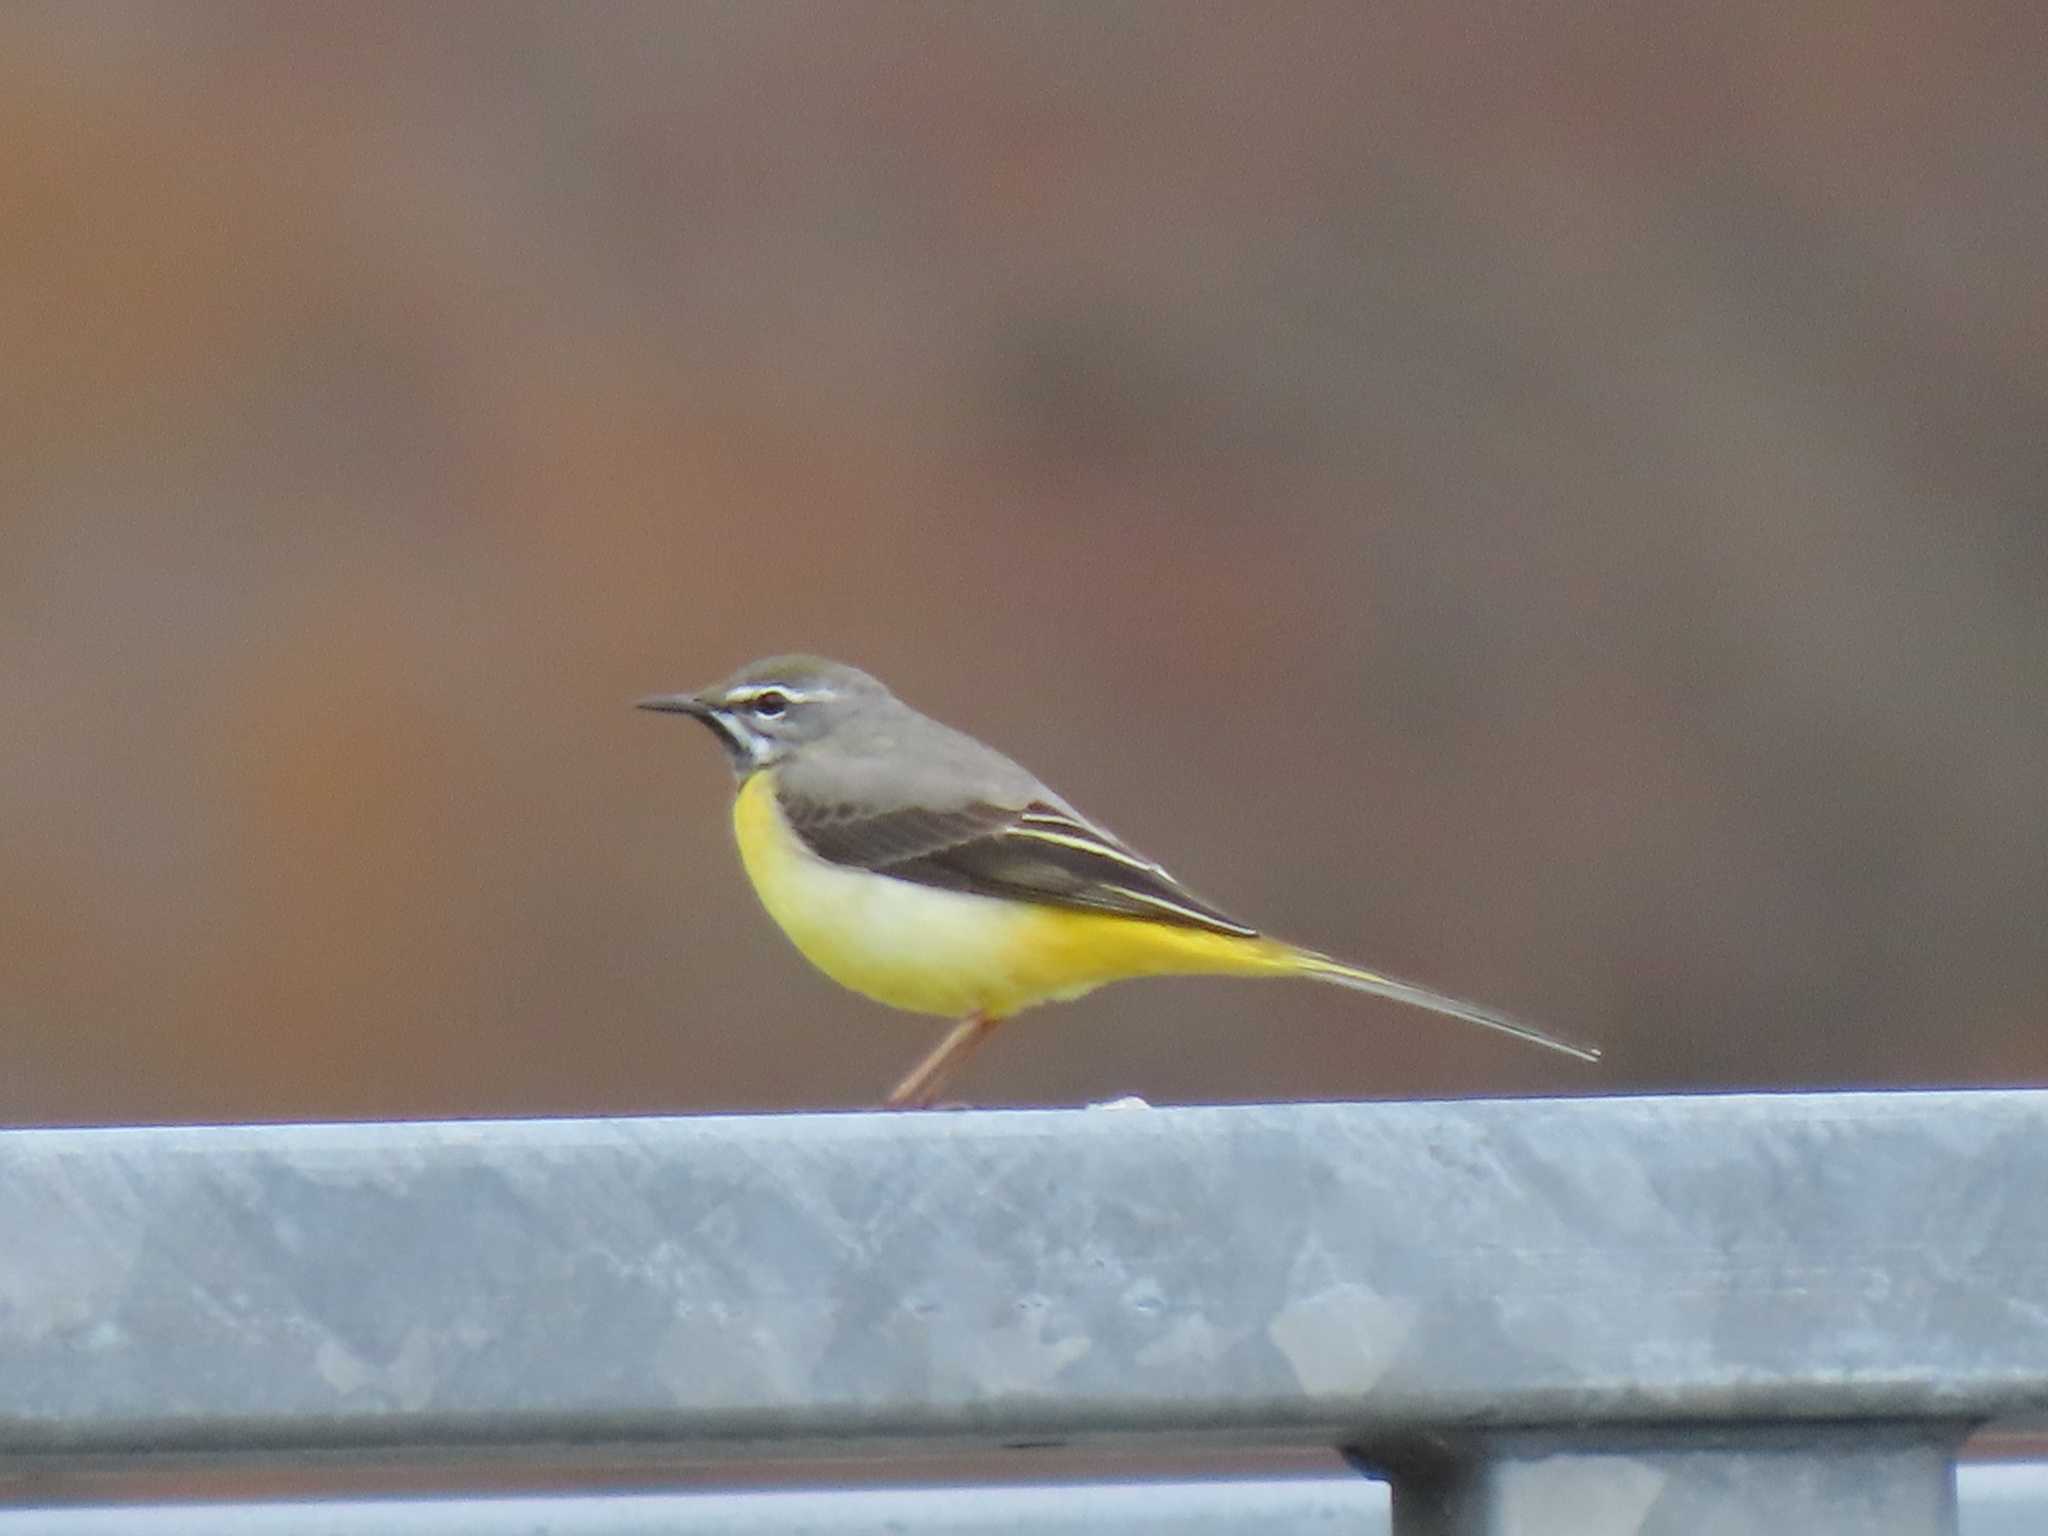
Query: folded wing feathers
x=1040 y=853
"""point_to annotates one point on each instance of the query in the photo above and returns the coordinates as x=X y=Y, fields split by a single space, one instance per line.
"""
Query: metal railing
x=1615 y=1315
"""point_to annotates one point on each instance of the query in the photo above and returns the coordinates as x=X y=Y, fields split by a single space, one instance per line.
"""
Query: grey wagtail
x=920 y=868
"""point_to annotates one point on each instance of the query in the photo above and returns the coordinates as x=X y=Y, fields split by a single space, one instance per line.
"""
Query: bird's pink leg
x=921 y=1086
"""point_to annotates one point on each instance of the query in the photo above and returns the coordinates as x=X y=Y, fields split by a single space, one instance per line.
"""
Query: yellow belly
x=948 y=952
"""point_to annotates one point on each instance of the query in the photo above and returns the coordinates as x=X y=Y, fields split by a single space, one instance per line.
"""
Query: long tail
x=1322 y=968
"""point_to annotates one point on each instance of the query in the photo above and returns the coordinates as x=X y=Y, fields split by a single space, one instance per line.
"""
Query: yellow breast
x=948 y=952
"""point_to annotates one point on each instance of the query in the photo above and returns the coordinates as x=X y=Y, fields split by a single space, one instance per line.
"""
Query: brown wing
x=1041 y=852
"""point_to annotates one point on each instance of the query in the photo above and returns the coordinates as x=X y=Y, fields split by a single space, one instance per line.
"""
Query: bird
x=923 y=869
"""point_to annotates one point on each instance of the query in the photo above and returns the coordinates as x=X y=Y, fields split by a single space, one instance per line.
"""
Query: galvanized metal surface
x=1316 y=1274
x=1994 y=1501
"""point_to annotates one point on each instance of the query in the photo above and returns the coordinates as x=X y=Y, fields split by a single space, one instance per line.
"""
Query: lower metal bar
x=1273 y=1507
x=1596 y=1496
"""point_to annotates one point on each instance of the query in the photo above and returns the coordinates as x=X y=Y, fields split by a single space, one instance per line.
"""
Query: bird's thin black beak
x=675 y=704
x=697 y=707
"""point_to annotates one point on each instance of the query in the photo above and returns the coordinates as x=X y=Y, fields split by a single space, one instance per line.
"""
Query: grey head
x=771 y=707
x=884 y=753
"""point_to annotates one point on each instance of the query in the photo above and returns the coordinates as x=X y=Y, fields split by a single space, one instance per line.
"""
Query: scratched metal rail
x=1620 y=1315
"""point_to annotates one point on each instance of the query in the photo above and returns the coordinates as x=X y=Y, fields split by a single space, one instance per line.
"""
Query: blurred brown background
x=1548 y=499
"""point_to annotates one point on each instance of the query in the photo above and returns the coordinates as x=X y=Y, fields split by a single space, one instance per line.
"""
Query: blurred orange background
x=1548 y=500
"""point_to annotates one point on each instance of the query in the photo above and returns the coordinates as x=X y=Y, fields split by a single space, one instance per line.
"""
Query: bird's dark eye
x=771 y=704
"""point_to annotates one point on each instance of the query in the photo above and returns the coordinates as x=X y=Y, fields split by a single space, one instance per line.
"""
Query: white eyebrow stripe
x=751 y=691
